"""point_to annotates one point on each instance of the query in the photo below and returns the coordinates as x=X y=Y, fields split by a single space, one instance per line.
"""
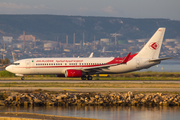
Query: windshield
x=16 y=64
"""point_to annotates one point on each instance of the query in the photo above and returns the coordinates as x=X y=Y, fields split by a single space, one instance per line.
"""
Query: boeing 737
x=86 y=67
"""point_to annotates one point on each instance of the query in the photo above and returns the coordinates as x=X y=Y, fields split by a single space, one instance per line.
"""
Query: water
x=166 y=66
x=106 y=113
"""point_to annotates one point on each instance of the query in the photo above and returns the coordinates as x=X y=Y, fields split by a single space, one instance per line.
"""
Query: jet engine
x=73 y=73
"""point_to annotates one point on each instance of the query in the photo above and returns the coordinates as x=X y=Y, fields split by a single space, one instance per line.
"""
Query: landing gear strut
x=86 y=78
x=22 y=78
x=83 y=77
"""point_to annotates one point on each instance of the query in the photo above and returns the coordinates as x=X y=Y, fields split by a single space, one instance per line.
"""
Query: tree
x=6 y=61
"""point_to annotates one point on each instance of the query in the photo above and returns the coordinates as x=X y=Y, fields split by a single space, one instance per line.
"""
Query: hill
x=49 y=27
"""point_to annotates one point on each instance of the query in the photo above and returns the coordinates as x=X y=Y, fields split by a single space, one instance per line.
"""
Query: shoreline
x=35 y=116
x=44 y=98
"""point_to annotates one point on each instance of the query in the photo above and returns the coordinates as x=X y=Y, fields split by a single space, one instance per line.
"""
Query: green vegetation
x=126 y=76
x=6 y=74
x=5 y=61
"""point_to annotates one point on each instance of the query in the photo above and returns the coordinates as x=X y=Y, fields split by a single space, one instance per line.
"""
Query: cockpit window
x=16 y=64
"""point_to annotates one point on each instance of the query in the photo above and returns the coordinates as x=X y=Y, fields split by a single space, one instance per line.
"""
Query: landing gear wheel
x=89 y=77
x=22 y=78
x=83 y=77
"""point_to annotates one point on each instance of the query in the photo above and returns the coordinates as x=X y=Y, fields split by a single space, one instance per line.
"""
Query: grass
x=149 y=75
x=92 y=85
x=4 y=75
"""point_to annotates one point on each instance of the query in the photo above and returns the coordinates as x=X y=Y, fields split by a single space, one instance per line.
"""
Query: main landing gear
x=88 y=77
x=22 y=78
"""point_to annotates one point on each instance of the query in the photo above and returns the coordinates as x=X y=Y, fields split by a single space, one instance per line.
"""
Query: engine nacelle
x=73 y=73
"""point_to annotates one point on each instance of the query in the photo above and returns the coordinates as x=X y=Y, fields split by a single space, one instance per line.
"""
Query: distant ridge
x=49 y=27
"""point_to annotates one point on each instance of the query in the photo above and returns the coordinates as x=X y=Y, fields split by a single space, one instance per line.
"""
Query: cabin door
x=137 y=63
x=27 y=64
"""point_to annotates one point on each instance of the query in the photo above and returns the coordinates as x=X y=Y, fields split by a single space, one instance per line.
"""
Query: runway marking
x=69 y=89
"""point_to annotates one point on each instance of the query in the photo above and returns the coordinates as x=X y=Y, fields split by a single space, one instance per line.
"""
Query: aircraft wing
x=160 y=59
x=99 y=68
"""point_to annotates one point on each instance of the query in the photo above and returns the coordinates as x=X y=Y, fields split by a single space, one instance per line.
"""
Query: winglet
x=126 y=59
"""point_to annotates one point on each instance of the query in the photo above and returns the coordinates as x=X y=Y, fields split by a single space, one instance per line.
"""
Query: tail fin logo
x=154 y=46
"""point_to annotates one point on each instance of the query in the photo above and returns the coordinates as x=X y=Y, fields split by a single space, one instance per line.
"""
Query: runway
x=88 y=89
x=90 y=81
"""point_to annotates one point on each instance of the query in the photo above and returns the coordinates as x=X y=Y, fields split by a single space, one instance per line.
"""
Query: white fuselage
x=79 y=67
x=36 y=66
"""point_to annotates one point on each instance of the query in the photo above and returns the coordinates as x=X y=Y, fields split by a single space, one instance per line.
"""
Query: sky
x=168 y=9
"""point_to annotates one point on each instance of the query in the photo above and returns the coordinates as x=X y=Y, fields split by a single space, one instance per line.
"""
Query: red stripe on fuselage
x=114 y=61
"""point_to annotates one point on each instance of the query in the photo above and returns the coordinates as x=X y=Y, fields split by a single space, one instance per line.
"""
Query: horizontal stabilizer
x=160 y=59
x=125 y=59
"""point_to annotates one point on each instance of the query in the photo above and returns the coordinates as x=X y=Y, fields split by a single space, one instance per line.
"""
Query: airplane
x=86 y=67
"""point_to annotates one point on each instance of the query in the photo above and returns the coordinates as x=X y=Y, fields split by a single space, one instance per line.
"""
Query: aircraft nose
x=8 y=68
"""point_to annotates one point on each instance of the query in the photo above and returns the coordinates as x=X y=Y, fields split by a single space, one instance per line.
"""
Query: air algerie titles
x=59 y=60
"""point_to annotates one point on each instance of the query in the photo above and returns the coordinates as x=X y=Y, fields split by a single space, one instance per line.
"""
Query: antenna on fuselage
x=91 y=55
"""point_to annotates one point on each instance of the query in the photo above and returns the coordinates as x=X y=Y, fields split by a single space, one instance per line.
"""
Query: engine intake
x=73 y=73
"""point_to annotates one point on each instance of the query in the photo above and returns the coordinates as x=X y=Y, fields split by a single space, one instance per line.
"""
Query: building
x=7 y=39
x=106 y=40
x=27 y=37
x=49 y=45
